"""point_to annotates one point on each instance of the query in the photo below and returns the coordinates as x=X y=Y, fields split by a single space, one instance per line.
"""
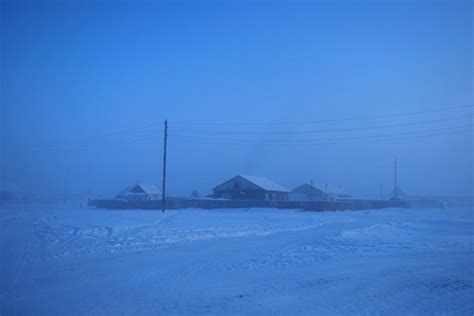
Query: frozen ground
x=66 y=260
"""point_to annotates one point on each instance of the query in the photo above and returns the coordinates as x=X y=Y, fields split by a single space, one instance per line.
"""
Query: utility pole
x=311 y=193
x=163 y=199
x=66 y=185
x=395 y=193
x=381 y=191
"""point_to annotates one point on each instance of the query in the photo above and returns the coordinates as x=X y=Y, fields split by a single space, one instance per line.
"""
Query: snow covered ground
x=67 y=260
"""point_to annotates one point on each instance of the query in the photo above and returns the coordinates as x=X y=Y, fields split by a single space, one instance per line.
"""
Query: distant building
x=318 y=192
x=142 y=192
x=250 y=188
x=195 y=194
x=398 y=194
x=6 y=195
x=10 y=192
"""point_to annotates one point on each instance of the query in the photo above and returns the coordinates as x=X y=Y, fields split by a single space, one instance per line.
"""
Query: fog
x=328 y=92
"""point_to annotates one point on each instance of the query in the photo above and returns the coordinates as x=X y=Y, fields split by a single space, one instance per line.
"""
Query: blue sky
x=85 y=88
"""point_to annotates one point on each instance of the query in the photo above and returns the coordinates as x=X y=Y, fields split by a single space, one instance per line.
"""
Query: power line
x=300 y=142
x=152 y=128
x=351 y=129
x=148 y=133
x=132 y=139
x=330 y=141
x=325 y=143
x=104 y=143
x=414 y=113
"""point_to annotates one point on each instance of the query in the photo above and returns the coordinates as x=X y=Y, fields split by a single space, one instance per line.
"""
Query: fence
x=214 y=203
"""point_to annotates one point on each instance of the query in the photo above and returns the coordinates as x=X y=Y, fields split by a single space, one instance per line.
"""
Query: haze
x=329 y=92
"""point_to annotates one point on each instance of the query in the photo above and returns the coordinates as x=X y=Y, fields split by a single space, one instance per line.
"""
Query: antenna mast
x=395 y=187
x=163 y=199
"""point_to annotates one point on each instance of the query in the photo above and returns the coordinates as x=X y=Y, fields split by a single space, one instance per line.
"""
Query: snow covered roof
x=329 y=188
x=150 y=189
x=264 y=183
x=140 y=189
x=127 y=189
x=326 y=188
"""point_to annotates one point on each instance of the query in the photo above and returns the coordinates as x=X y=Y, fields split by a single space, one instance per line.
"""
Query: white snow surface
x=68 y=260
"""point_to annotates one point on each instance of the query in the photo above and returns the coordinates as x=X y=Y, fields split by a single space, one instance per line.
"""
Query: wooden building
x=318 y=192
x=142 y=192
x=6 y=195
x=243 y=187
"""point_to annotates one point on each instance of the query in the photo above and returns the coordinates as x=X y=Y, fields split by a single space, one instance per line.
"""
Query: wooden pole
x=163 y=198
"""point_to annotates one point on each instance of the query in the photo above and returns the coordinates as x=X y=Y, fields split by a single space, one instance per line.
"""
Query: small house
x=243 y=187
x=318 y=192
x=141 y=192
x=398 y=194
x=6 y=195
x=195 y=195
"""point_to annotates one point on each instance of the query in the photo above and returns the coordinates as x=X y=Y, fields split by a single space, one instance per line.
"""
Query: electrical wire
x=369 y=117
x=351 y=129
x=391 y=137
x=152 y=132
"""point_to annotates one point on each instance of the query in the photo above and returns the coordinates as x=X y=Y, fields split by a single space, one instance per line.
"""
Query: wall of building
x=240 y=194
x=255 y=195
